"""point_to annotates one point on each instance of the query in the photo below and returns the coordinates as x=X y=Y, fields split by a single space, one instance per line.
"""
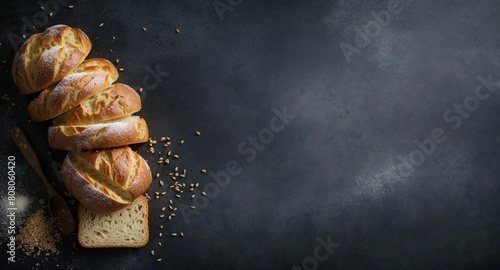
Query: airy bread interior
x=124 y=228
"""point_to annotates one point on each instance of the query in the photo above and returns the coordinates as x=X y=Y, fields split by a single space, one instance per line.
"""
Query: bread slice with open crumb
x=126 y=228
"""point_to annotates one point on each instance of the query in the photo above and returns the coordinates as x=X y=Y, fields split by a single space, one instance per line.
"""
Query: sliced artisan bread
x=107 y=180
x=116 y=101
x=90 y=77
x=47 y=57
x=126 y=228
x=112 y=133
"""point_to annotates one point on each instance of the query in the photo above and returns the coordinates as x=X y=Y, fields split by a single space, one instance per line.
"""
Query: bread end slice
x=126 y=228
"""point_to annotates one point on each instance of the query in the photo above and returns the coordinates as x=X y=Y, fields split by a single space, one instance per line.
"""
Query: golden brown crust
x=114 y=102
x=129 y=130
x=96 y=178
x=98 y=74
x=47 y=57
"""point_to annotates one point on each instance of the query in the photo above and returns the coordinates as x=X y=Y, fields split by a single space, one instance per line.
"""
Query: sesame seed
x=203 y=193
x=152 y=252
x=160 y=234
x=182 y=234
x=121 y=69
x=169 y=218
x=162 y=139
x=177 y=31
x=167 y=161
x=176 y=156
x=192 y=196
x=100 y=25
x=157 y=175
x=174 y=234
x=197 y=185
x=163 y=193
x=198 y=133
x=42 y=7
x=161 y=226
x=163 y=208
x=174 y=178
x=170 y=201
x=114 y=38
x=162 y=216
x=181 y=142
x=177 y=195
x=71 y=6
x=141 y=89
x=51 y=14
x=159 y=260
x=144 y=29
x=193 y=207
x=176 y=168
x=159 y=244
x=161 y=183
x=203 y=171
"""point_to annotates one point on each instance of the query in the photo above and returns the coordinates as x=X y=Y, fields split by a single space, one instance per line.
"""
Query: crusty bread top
x=126 y=228
x=111 y=133
x=106 y=180
x=90 y=77
x=117 y=101
x=47 y=57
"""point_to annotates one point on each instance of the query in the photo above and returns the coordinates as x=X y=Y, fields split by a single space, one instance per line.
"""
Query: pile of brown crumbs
x=38 y=235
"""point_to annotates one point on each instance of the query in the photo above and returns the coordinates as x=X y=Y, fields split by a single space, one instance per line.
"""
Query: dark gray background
x=334 y=169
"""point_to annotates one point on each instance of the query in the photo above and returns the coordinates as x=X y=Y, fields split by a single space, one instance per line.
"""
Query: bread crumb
x=39 y=234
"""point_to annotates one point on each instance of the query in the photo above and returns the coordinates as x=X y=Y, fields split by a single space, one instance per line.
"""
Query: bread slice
x=117 y=101
x=126 y=228
x=47 y=57
x=112 y=133
x=91 y=77
x=107 y=180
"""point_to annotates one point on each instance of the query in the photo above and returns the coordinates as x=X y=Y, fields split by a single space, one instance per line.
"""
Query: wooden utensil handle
x=29 y=153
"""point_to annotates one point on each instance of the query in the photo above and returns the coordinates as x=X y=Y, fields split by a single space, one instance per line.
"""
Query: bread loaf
x=107 y=180
x=126 y=228
x=118 y=132
x=117 y=101
x=97 y=74
x=47 y=57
